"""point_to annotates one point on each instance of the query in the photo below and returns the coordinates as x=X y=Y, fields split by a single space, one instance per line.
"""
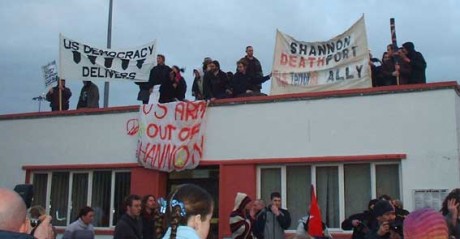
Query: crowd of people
x=186 y=214
x=209 y=83
x=398 y=66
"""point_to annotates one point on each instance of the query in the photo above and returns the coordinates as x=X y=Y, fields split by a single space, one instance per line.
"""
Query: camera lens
x=34 y=222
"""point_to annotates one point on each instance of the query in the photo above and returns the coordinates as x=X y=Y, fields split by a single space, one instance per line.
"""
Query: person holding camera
x=360 y=222
x=385 y=228
x=14 y=222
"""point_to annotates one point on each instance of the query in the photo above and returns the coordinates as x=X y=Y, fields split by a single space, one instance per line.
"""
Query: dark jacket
x=14 y=235
x=360 y=231
x=89 y=96
x=254 y=69
x=418 y=66
x=243 y=82
x=158 y=74
x=172 y=90
x=387 y=69
x=405 y=72
x=373 y=235
x=148 y=226
x=128 y=228
x=54 y=98
x=215 y=85
x=271 y=226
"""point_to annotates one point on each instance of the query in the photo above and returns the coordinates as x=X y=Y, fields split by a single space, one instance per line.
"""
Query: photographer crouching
x=386 y=226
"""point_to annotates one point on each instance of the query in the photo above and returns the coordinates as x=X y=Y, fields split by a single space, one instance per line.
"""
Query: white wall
x=422 y=125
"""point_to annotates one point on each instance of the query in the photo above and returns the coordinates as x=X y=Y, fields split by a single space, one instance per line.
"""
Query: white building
x=353 y=145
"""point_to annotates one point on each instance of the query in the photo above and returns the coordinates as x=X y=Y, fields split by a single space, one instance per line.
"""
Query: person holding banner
x=403 y=68
x=243 y=84
x=59 y=96
x=388 y=70
x=173 y=89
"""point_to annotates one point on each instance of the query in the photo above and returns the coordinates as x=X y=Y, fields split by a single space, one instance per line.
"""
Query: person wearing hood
x=197 y=86
x=416 y=61
x=174 y=88
x=360 y=222
x=240 y=222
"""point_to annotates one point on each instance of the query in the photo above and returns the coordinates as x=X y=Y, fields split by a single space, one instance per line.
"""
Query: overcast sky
x=189 y=30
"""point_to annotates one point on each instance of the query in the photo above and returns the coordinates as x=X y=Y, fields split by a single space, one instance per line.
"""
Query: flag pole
x=109 y=45
x=395 y=44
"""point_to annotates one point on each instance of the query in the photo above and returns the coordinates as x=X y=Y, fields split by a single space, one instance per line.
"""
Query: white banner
x=340 y=63
x=50 y=73
x=79 y=61
x=171 y=136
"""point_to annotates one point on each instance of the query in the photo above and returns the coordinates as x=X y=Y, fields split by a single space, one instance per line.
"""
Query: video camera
x=397 y=226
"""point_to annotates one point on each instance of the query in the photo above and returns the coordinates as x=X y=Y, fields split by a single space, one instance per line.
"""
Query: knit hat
x=425 y=224
x=382 y=207
x=241 y=200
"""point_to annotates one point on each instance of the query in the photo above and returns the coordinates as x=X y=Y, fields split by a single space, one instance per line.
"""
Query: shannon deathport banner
x=80 y=61
x=171 y=136
x=340 y=63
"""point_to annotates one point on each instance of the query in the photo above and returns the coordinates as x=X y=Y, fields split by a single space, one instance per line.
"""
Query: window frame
x=90 y=173
x=341 y=184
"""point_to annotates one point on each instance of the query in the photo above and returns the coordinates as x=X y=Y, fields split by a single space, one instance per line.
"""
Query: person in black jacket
x=242 y=83
x=360 y=222
x=174 y=88
x=216 y=84
x=59 y=91
x=254 y=68
x=417 y=63
x=149 y=215
x=129 y=226
x=158 y=74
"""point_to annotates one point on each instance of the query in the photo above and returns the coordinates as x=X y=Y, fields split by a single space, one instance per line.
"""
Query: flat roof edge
x=255 y=99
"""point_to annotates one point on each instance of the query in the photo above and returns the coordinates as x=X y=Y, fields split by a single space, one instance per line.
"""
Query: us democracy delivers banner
x=80 y=61
x=171 y=136
x=339 y=63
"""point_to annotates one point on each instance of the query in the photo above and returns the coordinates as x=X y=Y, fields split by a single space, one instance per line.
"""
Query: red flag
x=315 y=223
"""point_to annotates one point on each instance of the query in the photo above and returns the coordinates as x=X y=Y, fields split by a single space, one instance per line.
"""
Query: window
x=69 y=191
x=387 y=180
x=357 y=179
x=40 y=183
x=342 y=189
x=327 y=190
